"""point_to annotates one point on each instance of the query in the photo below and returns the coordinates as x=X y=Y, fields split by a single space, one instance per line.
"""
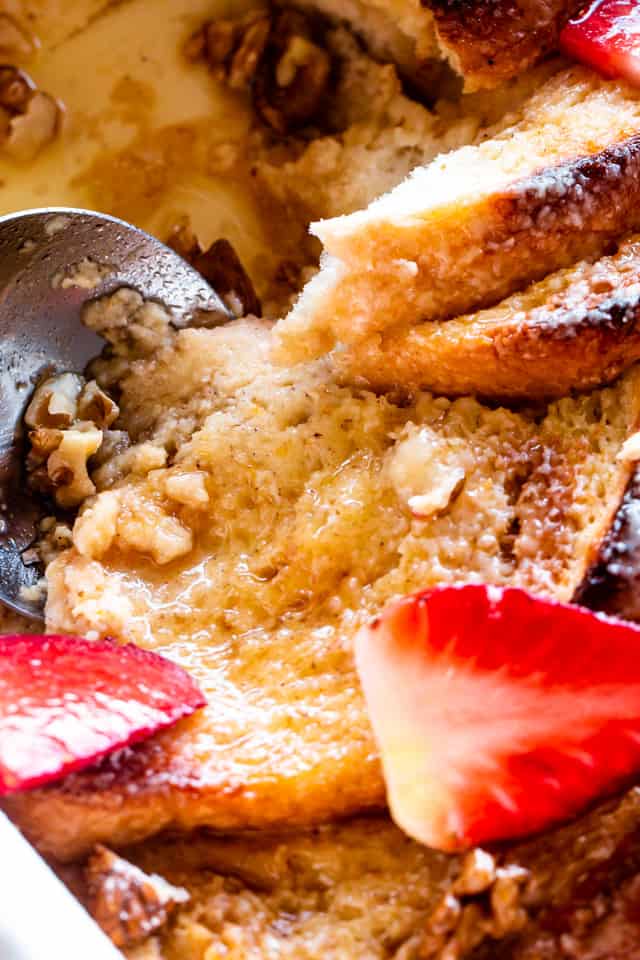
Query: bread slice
x=362 y=890
x=479 y=223
x=263 y=515
x=484 y=43
x=575 y=330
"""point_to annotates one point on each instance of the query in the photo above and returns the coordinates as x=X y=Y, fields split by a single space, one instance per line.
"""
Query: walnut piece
x=477 y=874
x=55 y=402
x=221 y=266
x=95 y=405
x=29 y=118
x=486 y=902
x=278 y=55
x=252 y=42
x=127 y=903
x=67 y=418
x=293 y=78
x=67 y=465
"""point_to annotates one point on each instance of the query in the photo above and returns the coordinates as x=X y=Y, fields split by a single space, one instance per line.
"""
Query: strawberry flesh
x=498 y=713
x=65 y=702
x=607 y=38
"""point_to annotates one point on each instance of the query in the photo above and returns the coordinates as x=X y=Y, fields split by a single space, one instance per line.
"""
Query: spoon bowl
x=41 y=332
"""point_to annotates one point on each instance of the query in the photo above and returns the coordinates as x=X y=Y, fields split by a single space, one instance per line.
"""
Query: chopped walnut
x=68 y=418
x=127 y=903
x=30 y=118
x=44 y=440
x=232 y=48
x=55 y=402
x=278 y=55
x=485 y=902
x=508 y=913
x=221 y=266
x=67 y=465
x=95 y=405
x=478 y=873
x=252 y=43
x=293 y=79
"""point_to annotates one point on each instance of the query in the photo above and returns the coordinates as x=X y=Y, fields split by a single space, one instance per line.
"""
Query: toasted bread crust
x=612 y=583
x=539 y=224
x=478 y=224
x=157 y=786
x=485 y=42
x=575 y=330
x=488 y=42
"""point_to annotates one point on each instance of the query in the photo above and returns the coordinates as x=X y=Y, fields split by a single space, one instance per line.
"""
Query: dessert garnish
x=66 y=701
x=498 y=713
x=126 y=902
x=606 y=36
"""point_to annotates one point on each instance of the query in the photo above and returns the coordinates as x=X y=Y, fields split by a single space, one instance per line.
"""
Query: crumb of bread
x=479 y=222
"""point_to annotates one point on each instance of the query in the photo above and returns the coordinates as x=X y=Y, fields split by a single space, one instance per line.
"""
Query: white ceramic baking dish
x=39 y=918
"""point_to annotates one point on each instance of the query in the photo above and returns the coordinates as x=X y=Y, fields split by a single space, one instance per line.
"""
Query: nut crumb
x=68 y=419
x=30 y=119
x=277 y=55
x=221 y=266
x=127 y=903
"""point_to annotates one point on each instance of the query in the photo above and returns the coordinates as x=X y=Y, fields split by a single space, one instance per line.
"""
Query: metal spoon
x=41 y=331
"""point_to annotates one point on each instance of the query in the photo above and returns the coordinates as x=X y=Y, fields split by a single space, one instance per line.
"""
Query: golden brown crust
x=158 y=786
x=485 y=42
x=479 y=223
x=612 y=583
x=575 y=330
x=489 y=42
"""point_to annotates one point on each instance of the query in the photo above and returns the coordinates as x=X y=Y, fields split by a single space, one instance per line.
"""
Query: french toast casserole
x=427 y=224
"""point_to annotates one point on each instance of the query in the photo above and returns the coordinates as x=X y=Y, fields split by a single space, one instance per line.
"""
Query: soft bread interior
x=262 y=516
x=576 y=329
x=480 y=222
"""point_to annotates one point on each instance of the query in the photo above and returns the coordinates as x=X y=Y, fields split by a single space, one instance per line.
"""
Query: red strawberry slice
x=498 y=713
x=607 y=38
x=65 y=702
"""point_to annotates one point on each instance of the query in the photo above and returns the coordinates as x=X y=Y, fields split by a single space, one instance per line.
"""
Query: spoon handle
x=39 y=918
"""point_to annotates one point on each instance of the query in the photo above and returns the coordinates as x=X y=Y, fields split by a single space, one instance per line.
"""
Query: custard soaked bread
x=363 y=890
x=574 y=330
x=479 y=223
x=292 y=509
x=485 y=43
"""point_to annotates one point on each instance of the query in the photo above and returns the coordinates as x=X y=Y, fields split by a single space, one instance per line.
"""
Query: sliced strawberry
x=497 y=713
x=607 y=38
x=65 y=702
